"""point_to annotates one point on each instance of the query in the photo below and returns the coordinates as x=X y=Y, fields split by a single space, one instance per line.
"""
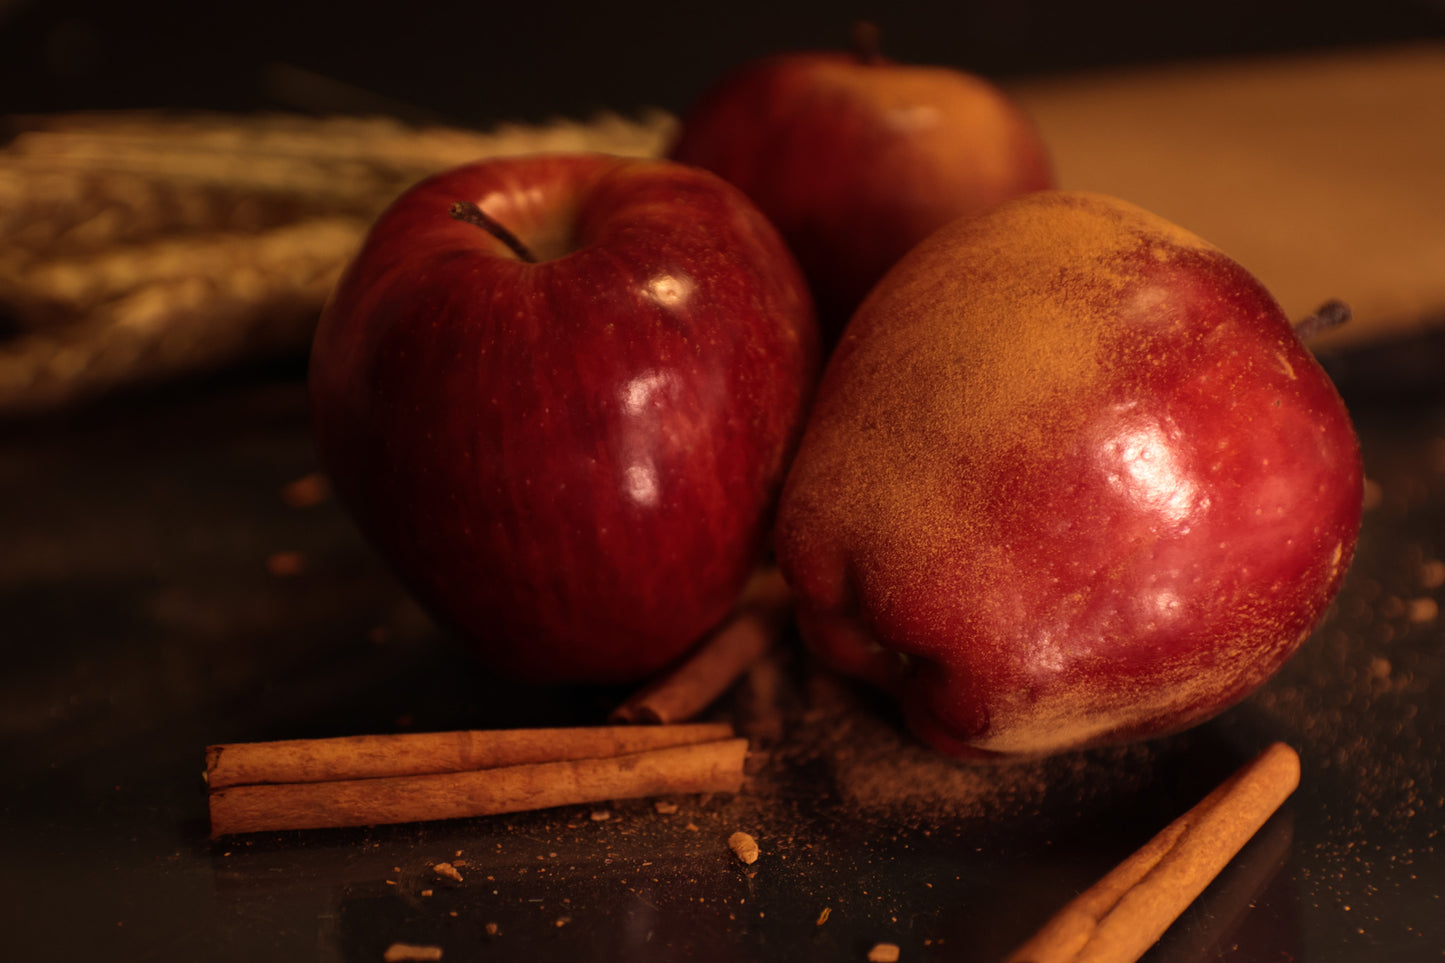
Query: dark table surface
x=145 y=616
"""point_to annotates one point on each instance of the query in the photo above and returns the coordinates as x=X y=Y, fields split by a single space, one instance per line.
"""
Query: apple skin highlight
x=572 y=463
x=1071 y=479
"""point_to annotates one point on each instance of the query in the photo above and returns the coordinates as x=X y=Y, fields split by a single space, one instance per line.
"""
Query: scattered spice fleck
x=307 y=491
x=1432 y=573
x=1423 y=609
x=745 y=847
x=286 y=563
x=1374 y=494
x=399 y=952
x=823 y=916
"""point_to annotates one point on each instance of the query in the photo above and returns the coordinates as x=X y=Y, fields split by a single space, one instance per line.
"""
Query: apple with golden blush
x=856 y=158
x=1071 y=479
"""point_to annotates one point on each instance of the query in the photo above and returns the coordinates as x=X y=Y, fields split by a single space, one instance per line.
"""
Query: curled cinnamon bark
x=373 y=780
x=752 y=629
x=1119 y=918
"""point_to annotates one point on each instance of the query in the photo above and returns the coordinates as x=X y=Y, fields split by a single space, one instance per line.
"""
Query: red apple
x=1071 y=479
x=571 y=460
x=856 y=158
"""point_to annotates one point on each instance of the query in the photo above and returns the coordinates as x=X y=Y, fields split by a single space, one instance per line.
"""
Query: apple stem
x=469 y=213
x=865 y=42
x=1331 y=314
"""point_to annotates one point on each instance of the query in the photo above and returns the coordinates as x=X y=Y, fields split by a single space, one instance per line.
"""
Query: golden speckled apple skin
x=1070 y=479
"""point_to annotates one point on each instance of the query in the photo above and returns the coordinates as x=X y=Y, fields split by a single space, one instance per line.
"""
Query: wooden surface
x=1324 y=174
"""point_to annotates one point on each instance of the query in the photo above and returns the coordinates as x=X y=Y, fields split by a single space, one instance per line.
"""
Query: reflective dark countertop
x=158 y=594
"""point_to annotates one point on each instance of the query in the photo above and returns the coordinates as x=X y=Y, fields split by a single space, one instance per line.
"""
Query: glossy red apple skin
x=573 y=463
x=857 y=158
x=1070 y=480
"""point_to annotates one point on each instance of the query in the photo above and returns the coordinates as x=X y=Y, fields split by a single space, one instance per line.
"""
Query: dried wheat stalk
x=137 y=246
x=176 y=307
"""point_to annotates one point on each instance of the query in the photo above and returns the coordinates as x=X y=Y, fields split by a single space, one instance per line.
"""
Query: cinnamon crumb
x=1423 y=609
x=744 y=847
x=307 y=491
x=884 y=953
x=1374 y=495
x=408 y=952
x=285 y=563
x=447 y=870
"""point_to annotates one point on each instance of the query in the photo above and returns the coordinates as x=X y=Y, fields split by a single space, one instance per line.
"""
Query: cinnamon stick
x=1119 y=918
x=715 y=766
x=750 y=631
x=425 y=753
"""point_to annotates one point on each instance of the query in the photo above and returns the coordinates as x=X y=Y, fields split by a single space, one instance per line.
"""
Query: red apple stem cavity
x=469 y=213
x=1331 y=314
x=866 y=45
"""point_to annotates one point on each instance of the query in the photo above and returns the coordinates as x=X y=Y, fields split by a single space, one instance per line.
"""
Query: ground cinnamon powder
x=879 y=769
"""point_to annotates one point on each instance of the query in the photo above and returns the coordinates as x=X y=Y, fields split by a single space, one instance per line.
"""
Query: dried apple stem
x=470 y=213
x=1331 y=314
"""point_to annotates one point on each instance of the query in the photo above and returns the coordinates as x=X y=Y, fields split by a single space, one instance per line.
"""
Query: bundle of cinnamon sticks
x=375 y=780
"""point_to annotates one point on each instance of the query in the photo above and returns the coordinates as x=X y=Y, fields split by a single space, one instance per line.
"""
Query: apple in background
x=1070 y=479
x=856 y=158
x=558 y=394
